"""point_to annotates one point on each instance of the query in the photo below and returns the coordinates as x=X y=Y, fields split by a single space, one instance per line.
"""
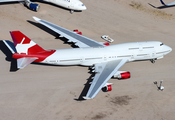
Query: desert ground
x=41 y=92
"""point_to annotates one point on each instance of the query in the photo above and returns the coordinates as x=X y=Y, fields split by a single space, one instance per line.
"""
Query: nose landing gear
x=71 y=11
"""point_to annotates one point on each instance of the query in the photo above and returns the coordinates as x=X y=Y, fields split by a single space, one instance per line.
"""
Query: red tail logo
x=27 y=48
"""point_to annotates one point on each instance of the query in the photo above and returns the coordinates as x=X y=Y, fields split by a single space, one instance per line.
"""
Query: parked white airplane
x=169 y=4
x=105 y=61
x=69 y=4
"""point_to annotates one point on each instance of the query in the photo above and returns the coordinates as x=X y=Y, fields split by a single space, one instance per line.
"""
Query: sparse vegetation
x=162 y=14
x=137 y=5
x=158 y=13
x=99 y=116
x=120 y=100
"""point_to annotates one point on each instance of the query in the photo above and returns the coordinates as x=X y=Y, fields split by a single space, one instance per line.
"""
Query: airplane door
x=82 y=59
x=105 y=58
x=140 y=47
x=153 y=53
x=133 y=56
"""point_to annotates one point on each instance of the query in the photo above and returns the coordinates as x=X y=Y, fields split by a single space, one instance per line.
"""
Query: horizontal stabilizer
x=10 y=46
x=23 y=62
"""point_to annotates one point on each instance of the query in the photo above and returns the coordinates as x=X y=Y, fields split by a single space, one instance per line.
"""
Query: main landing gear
x=153 y=60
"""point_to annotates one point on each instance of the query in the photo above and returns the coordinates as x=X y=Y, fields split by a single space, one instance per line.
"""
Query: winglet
x=36 y=19
x=86 y=97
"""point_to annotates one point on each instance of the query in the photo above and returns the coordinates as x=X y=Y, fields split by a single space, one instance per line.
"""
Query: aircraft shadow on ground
x=86 y=88
x=56 y=35
x=42 y=27
x=7 y=52
x=161 y=7
x=6 y=3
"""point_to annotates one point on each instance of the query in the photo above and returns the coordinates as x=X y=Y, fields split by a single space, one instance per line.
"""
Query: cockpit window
x=161 y=44
x=82 y=4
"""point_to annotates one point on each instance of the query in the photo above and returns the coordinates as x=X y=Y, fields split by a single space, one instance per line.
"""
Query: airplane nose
x=81 y=6
x=84 y=8
x=168 y=48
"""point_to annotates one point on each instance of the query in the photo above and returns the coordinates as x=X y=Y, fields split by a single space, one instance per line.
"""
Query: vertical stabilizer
x=23 y=44
x=27 y=50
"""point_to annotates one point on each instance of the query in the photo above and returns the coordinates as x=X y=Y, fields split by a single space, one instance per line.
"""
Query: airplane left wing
x=104 y=71
x=79 y=40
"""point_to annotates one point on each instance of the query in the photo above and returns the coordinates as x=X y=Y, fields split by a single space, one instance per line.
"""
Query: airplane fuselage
x=69 y=4
x=105 y=60
x=89 y=56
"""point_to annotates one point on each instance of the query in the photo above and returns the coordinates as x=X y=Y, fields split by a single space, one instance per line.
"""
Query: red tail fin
x=25 y=45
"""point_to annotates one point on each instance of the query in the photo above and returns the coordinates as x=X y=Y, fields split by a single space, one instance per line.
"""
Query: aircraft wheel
x=153 y=61
x=72 y=11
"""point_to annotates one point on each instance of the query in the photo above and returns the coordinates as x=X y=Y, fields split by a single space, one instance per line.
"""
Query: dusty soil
x=40 y=92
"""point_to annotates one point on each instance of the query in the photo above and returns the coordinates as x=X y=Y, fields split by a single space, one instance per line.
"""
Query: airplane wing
x=10 y=0
x=169 y=4
x=104 y=71
x=79 y=40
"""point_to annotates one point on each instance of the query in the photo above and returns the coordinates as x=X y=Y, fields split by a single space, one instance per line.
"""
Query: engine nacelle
x=31 y=5
x=107 y=87
x=105 y=43
x=76 y=30
x=122 y=75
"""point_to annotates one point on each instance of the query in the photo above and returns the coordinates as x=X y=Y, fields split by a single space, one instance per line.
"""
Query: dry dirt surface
x=41 y=92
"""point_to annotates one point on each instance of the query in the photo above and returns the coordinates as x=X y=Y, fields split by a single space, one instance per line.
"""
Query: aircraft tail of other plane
x=27 y=50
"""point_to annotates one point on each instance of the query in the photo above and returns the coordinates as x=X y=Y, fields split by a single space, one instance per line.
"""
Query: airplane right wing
x=79 y=40
x=169 y=4
x=10 y=0
x=104 y=71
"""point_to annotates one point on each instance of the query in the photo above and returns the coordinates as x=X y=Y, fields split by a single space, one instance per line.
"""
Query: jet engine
x=105 y=43
x=122 y=75
x=107 y=87
x=31 y=5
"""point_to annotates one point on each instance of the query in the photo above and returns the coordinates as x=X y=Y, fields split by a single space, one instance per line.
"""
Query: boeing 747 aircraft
x=105 y=61
x=169 y=4
x=69 y=4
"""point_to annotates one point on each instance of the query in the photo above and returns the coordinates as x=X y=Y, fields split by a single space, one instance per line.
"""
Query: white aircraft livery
x=69 y=4
x=105 y=61
x=168 y=4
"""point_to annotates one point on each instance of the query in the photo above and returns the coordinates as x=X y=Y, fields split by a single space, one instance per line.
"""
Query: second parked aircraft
x=69 y=4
